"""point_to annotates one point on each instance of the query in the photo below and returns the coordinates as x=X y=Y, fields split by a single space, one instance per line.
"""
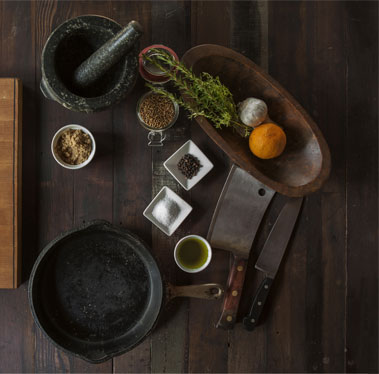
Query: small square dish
x=167 y=211
x=171 y=164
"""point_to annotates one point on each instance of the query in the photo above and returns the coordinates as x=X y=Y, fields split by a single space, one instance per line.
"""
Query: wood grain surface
x=322 y=312
x=10 y=181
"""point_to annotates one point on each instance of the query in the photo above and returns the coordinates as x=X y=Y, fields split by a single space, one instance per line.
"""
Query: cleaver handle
x=233 y=293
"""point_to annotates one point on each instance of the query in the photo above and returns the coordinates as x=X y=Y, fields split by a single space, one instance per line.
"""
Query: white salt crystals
x=166 y=211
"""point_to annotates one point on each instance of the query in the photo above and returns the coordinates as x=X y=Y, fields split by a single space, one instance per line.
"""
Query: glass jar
x=156 y=136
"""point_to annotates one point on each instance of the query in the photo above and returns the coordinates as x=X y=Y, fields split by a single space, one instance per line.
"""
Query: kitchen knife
x=236 y=219
x=271 y=256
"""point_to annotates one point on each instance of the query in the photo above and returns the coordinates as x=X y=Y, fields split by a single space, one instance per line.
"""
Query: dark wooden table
x=322 y=315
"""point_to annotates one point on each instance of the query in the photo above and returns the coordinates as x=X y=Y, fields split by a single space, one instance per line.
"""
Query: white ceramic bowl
x=171 y=165
x=188 y=270
x=182 y=210
x=56 y=155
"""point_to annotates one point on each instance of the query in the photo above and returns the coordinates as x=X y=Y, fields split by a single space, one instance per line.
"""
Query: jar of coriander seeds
x=156 y=113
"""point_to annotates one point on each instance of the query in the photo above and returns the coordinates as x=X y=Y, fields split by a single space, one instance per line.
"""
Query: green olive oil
x=192 y=253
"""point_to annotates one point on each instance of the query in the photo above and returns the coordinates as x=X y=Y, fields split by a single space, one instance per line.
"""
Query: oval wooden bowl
x=305 y=163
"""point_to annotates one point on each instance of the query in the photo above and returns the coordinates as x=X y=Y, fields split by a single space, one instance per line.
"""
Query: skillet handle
x=210 y=291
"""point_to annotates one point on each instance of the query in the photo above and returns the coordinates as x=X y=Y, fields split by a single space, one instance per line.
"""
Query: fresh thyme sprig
x=208 y=96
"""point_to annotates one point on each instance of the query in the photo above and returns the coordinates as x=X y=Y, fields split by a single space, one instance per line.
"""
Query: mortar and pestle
x=90 y=63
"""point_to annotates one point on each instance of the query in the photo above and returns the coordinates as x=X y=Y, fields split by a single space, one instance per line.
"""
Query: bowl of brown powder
x=73 y=146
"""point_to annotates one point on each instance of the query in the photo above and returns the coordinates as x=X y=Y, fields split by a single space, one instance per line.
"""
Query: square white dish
x=171 y=165
x=167 y=210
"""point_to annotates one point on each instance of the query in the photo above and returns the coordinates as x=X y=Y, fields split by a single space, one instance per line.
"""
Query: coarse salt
x=166 y=211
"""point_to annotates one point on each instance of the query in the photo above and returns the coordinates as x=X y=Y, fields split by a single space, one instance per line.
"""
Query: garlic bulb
x=252 y=111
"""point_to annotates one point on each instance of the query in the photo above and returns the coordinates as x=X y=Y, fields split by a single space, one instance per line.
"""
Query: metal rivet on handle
x=240 y=268
x=259 y=303
x=252 y=320
x=234 y=293
x=266 y=286
x=229 y=318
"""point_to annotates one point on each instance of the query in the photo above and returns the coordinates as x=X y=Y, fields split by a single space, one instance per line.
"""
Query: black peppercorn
x=189 y=165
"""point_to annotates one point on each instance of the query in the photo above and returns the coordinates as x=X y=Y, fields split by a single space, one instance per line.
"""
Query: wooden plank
x=210 y=22
x=327 y=106
x=169 y=341
x=10 y=181
x=362 y=186
x=286 y=326
x=250 y=30
x=289 y=329
x=317 y=291
x=132 y=171
x=208 y=346
x=249 y=37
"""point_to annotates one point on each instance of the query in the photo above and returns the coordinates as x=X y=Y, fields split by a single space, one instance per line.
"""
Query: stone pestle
x=95 y=66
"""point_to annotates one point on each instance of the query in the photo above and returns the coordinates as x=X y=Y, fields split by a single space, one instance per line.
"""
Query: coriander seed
x=157 y=111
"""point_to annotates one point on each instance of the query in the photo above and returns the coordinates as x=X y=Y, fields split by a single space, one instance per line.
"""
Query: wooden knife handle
x=233 y=293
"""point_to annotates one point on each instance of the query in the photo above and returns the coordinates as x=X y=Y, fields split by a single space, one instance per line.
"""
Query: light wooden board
x=10 y=182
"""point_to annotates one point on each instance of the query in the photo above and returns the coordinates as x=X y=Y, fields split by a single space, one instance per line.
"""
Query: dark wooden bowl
x=305 y=163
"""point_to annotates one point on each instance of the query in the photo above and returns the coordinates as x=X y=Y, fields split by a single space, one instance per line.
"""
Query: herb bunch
x=208 y=96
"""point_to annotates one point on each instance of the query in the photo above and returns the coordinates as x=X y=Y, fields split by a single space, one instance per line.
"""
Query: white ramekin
x=188 y=270
x=55 y=140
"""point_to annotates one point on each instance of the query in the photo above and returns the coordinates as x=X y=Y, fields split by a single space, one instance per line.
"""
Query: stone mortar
x=68 y=46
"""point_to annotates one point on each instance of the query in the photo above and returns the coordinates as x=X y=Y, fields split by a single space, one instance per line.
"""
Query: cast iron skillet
x=96 y=291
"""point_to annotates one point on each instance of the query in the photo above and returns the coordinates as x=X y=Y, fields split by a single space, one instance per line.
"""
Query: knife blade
x=236 y=219
x=271 y=256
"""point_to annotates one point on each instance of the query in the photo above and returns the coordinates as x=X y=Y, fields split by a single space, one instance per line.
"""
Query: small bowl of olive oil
x=192 y=253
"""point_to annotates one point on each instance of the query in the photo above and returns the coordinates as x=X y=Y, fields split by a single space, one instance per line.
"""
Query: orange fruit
x=267 y=141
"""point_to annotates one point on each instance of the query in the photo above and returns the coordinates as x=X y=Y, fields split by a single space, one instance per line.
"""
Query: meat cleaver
x=239 y=211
